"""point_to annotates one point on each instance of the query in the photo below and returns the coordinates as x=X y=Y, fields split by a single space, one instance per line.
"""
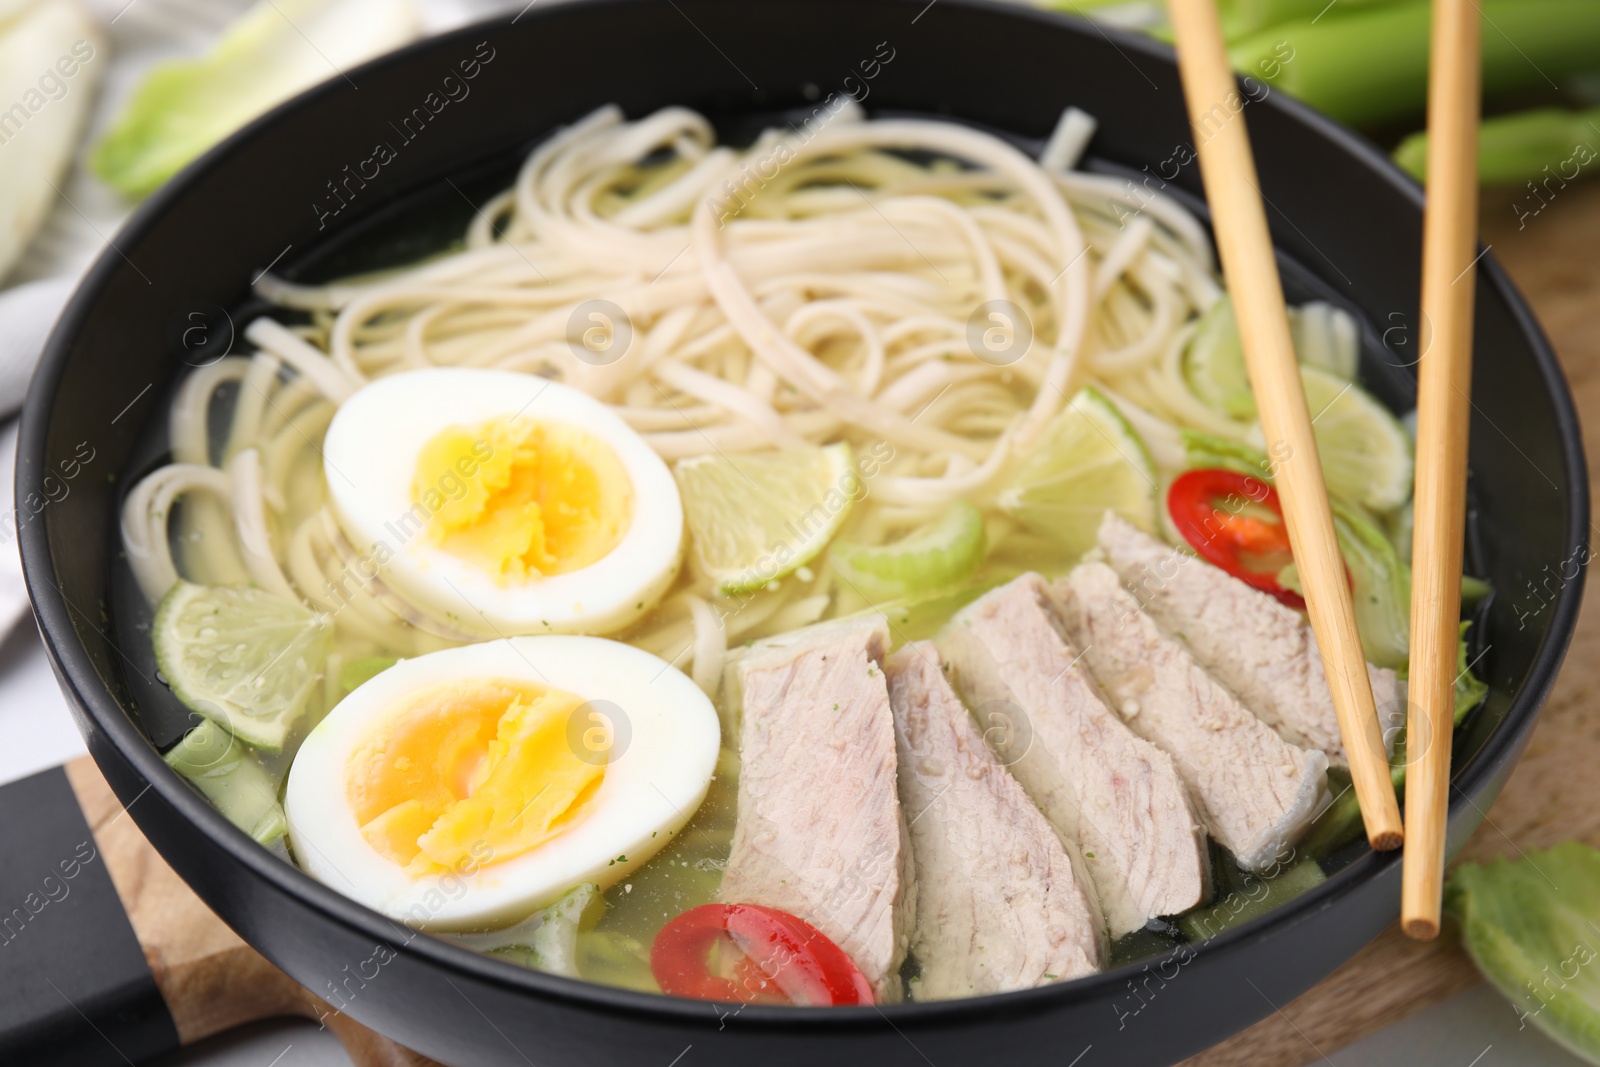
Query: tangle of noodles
x=792 y=293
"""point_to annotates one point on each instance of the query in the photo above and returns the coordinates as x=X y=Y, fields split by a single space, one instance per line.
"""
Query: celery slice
x=940 y=554
x=223 y=768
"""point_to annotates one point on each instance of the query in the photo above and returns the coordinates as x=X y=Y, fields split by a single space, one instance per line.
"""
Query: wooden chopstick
x=1216 y=117
x=1444 y=383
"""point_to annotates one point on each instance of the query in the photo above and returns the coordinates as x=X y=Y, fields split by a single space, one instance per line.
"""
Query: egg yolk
x=522 y=498
x=471 y=773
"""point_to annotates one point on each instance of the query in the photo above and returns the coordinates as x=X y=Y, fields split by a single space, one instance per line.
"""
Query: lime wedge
x=1214 y=366
x=928 y=559
x=1366 y=455
x=760 y=516
x=241 y=657
x=1088 y=461
x=1325 y=337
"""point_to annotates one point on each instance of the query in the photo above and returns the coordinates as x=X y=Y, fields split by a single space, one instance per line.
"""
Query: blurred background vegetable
x=1533 y=928
x=273 y=51
x=1365 y=63
x=51 y=55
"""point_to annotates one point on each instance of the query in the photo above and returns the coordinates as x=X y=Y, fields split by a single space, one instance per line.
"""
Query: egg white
x=649 y=792
x=370 y=459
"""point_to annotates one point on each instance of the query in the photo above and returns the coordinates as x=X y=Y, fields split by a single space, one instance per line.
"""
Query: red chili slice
x=765 y=956
x=1219 y=512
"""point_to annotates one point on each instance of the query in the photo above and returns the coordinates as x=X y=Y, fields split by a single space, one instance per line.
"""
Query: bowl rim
x=79 y=678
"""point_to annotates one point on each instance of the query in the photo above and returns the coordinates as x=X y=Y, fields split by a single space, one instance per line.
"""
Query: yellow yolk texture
x=522 y=498
x=470 y=773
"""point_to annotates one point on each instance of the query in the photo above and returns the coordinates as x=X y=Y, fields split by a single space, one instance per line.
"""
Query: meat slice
x=1263 y=651
x=820 y=832
x=1113 y=796
x=999 y=906
x=1256 y=791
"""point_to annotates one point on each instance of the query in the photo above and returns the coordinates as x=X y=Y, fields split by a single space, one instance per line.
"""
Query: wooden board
x=210 y=980
x=1554 y=793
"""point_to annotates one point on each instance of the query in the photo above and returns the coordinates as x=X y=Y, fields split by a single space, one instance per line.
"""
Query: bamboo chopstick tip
x=1420 y=927
x=1387 y=840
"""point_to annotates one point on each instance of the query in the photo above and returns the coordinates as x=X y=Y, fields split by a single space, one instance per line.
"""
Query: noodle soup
x=482 y=572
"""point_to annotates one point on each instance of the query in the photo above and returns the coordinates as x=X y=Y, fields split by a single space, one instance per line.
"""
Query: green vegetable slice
x=1370 y=66
x=1516 y=148
x=1256 y=897
x=1088 y=461
x=222 y=768
x=241 y=657
x=1340 y=820
x=1532 y=926
x=936 y=556
x=1365 y=452
x=1382 y=595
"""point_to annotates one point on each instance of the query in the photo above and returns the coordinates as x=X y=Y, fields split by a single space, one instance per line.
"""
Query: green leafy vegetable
x=1340 y=820
x=1254 y=896
x=936 y=556
x=224 y=769
x=1533 y=928
x=276 y=49
x=1382 y=595
x=548 y=940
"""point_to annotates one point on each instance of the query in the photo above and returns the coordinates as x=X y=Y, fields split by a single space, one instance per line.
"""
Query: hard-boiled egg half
x=503 y=503
x=467 y=788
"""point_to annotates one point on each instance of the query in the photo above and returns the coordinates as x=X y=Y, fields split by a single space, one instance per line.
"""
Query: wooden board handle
x=210 y=980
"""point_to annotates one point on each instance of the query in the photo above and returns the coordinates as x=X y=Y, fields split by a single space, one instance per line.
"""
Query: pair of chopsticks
x=1449 y=240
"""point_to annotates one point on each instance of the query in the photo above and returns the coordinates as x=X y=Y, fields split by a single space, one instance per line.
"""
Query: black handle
x=75 y=988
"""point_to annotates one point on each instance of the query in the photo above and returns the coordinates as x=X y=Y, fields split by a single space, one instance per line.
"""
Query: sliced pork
x=1257 y=647
x=820 y=831
x=1112 y=795
x=999 y=906
x=1256 y=791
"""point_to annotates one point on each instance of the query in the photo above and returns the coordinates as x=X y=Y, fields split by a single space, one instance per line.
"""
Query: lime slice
x=241 y=657
x=1214 y=366
x=760 y=516
x=1325 y=337
x=1366 y=455
x=1088 y=461
x=934 y=557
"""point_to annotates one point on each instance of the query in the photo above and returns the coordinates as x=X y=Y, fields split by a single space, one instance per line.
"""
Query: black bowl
x=1348 y=226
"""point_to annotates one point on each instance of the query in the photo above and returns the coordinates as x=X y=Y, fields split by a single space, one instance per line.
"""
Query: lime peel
x=758 y=517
